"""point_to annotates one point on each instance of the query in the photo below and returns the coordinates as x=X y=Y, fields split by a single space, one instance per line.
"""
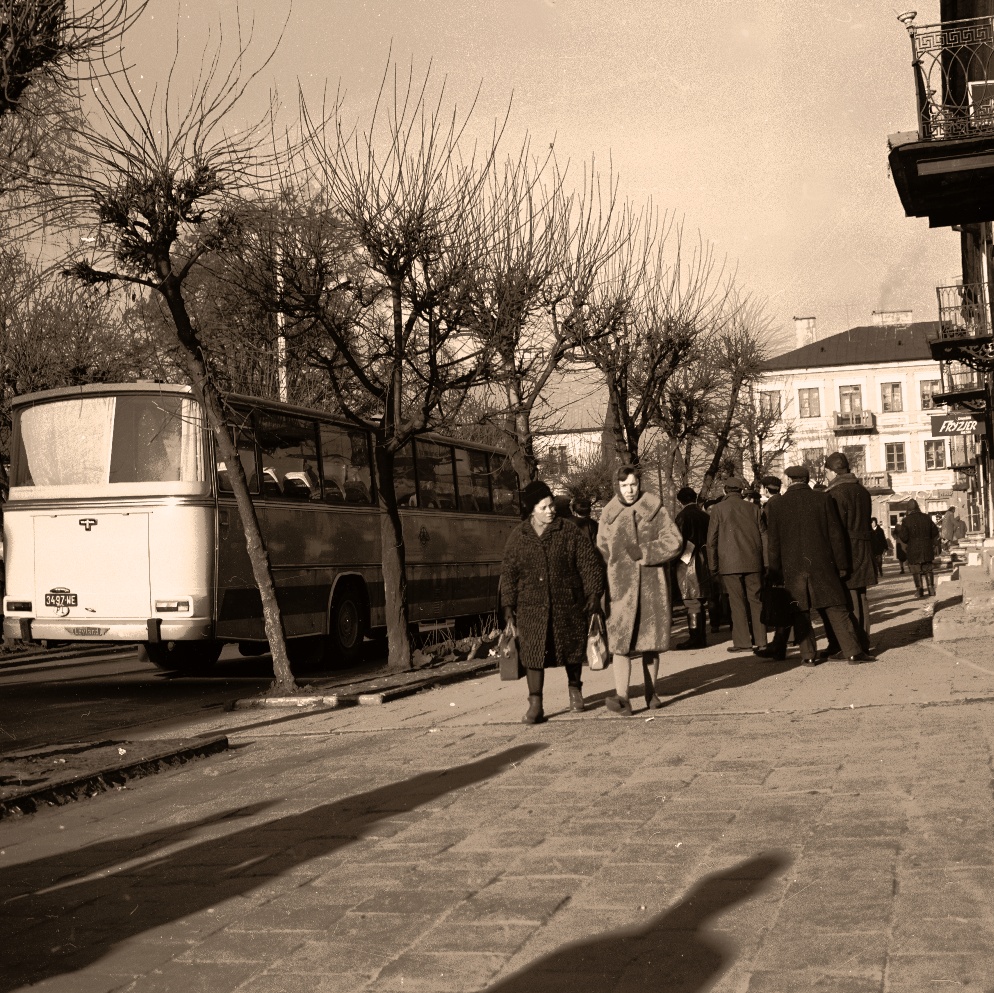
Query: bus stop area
x=772 y=828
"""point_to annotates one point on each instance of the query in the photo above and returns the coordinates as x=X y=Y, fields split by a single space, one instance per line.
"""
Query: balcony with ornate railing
x=855 y=422
x=964 y=320
x=954 y=76
x=943 y=169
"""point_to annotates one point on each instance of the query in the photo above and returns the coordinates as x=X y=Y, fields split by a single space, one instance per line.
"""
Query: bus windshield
x=95 y=440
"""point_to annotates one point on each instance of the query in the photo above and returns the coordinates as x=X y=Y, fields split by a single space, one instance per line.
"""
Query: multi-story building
x=869 y=392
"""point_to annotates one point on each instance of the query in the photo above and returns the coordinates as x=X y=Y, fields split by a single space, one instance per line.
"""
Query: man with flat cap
x=735 y=552
x=809 y=550
x=776 y=650
x=855 y=506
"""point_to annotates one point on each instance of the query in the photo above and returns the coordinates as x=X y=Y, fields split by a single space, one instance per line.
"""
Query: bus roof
x=110 y=389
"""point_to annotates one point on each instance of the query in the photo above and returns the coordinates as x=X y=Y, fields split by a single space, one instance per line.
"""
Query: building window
x=896 y=462
x=809 y=402
x=813 y=458
x=851 y=399
x=556 y=460
x=929 y=388
x=891 y=398
x=856 y=454
x=935 y=454
x=769 y=403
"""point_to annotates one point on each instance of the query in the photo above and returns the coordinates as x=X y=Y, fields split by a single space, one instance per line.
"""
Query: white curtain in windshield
x=191 y=459
x=67 y=442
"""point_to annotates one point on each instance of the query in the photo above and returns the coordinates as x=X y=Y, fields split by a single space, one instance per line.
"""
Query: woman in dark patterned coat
x=550 y=586
x=637 y=537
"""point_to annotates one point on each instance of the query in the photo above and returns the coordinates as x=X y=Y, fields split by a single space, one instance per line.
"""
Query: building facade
x=869 y=392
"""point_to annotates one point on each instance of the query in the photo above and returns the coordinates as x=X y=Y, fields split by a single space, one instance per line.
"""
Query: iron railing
x=958 y=378
x=954 y=76
x=964 y=311
x=855 y=420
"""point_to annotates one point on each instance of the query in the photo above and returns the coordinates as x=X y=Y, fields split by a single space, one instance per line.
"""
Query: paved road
x=772 y=829
x=91 y=698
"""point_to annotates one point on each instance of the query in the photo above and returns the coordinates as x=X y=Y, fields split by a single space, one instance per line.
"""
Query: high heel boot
x=651 y=700
x=575 y=688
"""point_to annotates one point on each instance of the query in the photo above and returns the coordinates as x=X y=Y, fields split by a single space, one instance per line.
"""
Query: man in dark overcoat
x=919 y=533
x=693 y=522
x=777 y=649
x=735 y=552
x=855 y=506
x=809 y=550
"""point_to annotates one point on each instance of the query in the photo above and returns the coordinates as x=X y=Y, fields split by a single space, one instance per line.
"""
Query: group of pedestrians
x=565 y=573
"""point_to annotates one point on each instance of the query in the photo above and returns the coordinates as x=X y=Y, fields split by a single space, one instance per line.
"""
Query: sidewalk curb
x=416 y=686
x=292 y=702
x=99 y=650
x=55 y=794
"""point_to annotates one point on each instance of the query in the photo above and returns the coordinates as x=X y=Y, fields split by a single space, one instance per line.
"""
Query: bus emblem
x=423 y=536
x=87 y=522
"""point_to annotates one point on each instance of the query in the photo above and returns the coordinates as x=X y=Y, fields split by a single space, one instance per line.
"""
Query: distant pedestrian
x=551 y=585
x=735 y=552
x=855 y=507
x=900 y=551
x=880 y=544
x=637 y=538
x=692 y=571
x=919 y=534
x=582 y=518
x=719 y=611
x=809 y=551
x=562 y=504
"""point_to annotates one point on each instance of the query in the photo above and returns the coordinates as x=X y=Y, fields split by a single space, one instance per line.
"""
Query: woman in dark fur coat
x=637 y=537
x=550 y=586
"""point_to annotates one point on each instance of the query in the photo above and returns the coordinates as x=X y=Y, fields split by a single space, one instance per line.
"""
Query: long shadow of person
x=69 y=910
x=673 y=953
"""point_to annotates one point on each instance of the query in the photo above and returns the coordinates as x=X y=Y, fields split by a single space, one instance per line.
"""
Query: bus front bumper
x=106 y=629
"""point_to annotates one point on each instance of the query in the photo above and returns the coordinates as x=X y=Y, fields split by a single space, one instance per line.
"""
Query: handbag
x=508 y=659
x=596 y=643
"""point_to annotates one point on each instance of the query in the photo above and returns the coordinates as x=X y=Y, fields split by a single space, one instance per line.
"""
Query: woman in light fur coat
x=637 y=537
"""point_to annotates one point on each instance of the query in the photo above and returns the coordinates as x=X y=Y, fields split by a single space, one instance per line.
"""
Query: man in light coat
x=735 y=552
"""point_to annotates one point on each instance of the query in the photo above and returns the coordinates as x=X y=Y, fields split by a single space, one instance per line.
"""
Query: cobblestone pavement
x=774 y=828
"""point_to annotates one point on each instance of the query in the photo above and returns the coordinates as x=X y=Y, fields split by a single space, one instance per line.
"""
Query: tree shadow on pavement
x=673 y=953
x=62 y=913
x=900 y=635
x=726 y=674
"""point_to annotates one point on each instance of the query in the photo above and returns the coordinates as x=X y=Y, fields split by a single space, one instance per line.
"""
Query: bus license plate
x=61 y=600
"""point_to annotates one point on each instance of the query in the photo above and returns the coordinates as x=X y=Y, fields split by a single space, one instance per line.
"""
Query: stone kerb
x=964 y=606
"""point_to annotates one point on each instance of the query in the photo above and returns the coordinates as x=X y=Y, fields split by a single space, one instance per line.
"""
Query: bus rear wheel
x=346 y=626
x=192 y=658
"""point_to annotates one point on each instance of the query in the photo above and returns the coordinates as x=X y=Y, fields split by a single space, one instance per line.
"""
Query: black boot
x=575 y=688
x=651 y=700
x=702 y=632
x=536 y=681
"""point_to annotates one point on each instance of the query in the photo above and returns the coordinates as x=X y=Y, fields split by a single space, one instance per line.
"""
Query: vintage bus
x=120 y=525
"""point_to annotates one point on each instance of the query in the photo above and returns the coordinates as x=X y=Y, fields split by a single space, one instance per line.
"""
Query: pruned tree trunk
x=207 y=394
x=394 y=566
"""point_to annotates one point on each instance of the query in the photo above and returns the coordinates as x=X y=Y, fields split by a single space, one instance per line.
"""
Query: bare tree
x=765 y=433
x=739 y=351
x=379 y=274
x=646 y=320
x=162 y=194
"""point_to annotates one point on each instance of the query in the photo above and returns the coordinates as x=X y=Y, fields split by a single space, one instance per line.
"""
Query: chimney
x=804 y=329
x=880 y=318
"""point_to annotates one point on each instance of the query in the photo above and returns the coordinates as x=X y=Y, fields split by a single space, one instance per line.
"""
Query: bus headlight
x=172 y=606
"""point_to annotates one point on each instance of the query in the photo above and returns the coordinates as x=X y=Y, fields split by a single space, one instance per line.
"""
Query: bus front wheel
x=188 y=657
x=346 y=626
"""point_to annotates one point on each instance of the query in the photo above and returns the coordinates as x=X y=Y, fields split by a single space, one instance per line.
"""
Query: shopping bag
x=507 y=654
x=596 y=643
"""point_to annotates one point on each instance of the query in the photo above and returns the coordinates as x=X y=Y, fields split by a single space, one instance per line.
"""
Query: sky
x=762 y=124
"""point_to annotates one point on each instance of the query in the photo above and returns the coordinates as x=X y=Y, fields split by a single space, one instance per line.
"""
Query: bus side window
x=288 y=446
x=504 y=480
x=358 y=474
x=245 y=444
x=403 y=476
x=474 y=487
x=436 y=483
